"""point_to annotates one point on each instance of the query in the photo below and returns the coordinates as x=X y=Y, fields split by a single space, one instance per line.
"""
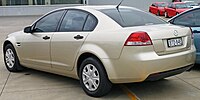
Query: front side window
x=74 y=20
x=191 y=19
x=48 y=23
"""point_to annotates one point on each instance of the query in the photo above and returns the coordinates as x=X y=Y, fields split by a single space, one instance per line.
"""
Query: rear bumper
x=139 y=63
x=161 y=75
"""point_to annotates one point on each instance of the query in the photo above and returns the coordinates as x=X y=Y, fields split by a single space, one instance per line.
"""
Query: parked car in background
x=101 y=45
x=158 y=8
x=190 y=18
x=192 y=4
x=175 y=8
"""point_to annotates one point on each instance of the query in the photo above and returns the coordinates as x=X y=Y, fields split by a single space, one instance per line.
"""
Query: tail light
x=138 y=39
x=192 y=35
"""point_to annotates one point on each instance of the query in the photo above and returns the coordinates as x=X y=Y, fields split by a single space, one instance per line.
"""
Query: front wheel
x=158 y=13
x=93 y=78
x=11 y=60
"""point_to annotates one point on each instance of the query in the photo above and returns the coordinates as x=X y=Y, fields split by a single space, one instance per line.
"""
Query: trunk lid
x=167 y=38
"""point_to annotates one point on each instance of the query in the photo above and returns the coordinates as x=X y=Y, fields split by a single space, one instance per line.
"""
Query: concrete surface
x=36 y=85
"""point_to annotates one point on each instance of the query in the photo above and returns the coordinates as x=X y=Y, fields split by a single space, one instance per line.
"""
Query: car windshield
x=162 y=4
x=179 y=6
x=127 y=17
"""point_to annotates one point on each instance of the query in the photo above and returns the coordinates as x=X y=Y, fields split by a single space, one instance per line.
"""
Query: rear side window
x=74 y=20
x=127 y=17
x=90 y=24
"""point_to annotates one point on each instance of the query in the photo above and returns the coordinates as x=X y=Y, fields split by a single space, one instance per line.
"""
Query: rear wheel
x=11 y=60
x=166 y=15
x=93 y=78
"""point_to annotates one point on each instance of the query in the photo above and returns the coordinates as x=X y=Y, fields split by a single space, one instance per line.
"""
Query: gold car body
x=123 y=64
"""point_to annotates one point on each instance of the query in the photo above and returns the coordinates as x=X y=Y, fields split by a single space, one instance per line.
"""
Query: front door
x=36 y=45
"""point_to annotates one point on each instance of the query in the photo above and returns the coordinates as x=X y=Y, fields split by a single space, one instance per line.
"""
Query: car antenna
x=119 y=4
x=119 y=11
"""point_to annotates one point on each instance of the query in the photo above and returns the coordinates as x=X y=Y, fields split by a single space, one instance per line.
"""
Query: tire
x=158 y=13
x=166 y=15
x=149 y=10
x=98 y=86
x=11 y=60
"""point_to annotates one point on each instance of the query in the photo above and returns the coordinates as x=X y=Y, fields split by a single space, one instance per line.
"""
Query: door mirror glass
x=28 y=29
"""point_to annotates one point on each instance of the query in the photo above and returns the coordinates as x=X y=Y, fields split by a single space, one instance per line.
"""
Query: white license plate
x=174 y=42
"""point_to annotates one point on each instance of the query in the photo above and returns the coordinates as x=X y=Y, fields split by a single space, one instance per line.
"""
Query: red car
x=158 y=8
x=175 y=8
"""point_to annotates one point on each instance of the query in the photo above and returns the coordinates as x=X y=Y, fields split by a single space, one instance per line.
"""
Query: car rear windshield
x=127 y=17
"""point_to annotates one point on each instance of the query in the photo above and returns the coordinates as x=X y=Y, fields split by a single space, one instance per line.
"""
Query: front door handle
x=77 y=37
x=46 y=37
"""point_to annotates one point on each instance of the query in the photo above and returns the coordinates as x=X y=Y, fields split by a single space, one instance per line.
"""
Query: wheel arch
x=6 y=43
x=85 y=55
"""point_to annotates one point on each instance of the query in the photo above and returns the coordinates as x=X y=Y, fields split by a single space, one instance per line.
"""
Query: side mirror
x=28 y=29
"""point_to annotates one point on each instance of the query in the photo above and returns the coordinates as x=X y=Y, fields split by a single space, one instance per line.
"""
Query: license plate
x=174 y=42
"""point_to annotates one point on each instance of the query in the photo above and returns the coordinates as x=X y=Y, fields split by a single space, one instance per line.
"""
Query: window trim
x=58 y=30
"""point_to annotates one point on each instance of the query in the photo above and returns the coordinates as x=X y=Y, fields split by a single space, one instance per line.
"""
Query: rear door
x=66 y=43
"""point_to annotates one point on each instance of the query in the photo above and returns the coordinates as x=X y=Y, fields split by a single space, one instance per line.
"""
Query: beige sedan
x=101 y=45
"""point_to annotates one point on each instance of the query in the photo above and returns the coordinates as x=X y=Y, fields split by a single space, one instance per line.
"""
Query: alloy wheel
x=10 y=58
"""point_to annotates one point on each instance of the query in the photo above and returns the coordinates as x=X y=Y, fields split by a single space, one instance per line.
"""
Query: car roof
x=97 y=7
x=187 y=1
x=160 y=2
x=178 y=3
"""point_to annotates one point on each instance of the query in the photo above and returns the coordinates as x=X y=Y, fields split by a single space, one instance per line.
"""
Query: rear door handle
x=77 y=37
x=46 y=37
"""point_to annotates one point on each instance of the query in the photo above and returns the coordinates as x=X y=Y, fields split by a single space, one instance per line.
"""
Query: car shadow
x=67 y=82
